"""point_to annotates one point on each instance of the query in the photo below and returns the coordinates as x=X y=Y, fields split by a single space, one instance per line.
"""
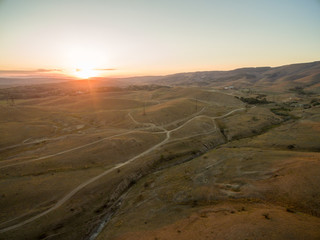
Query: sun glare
x=85 y=73
x=83 y=61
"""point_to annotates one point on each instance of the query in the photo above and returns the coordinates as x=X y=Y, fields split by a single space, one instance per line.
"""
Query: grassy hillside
x=155 y=162
x=262 y=187
x=305 y=75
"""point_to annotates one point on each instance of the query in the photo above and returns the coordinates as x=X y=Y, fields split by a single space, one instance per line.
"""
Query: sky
x=148 y=37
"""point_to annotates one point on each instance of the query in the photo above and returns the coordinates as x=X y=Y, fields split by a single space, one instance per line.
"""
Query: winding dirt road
x=86 y=183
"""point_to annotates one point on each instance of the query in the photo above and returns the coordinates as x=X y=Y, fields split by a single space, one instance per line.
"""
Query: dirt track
x=86 y=183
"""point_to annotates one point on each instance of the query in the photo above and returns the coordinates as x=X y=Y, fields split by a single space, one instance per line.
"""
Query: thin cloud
x=49 y=70
x=41 y=70
x=105 y=69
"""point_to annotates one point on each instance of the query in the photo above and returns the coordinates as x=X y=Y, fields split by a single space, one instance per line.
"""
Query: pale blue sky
x=157 y=37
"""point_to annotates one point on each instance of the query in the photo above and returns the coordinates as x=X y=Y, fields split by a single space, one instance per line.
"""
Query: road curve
x=86 y=183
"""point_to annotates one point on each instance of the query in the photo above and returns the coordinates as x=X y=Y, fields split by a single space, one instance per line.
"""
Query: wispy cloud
x=105 y=69
x=49 y=70
x=41 y=70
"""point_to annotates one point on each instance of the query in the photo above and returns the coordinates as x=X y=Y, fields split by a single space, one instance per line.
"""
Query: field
x=159 y=162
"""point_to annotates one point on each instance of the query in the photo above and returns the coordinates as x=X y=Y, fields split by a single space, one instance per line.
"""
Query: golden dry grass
x=254 y=188
x=54 y=145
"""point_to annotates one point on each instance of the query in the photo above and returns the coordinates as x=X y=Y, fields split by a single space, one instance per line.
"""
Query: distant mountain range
x=304 y=75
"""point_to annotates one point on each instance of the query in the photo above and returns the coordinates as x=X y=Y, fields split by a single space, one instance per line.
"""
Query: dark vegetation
x=301 y=91
x=256 y=100
x=315 y=102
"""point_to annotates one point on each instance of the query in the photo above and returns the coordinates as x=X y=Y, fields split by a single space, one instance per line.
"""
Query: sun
x=85 y=73
x=84 y=61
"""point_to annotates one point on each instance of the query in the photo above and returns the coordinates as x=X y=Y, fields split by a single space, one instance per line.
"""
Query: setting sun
x=85 y=73
x=84 y=60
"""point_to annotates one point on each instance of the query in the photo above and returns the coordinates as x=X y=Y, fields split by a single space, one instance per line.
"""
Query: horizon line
x=58 y=72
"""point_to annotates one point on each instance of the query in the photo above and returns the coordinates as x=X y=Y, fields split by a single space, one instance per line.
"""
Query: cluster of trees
x=256 y=100
x=301 y=91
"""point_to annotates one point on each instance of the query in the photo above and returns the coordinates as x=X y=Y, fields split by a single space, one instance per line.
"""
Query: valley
x=161 y=160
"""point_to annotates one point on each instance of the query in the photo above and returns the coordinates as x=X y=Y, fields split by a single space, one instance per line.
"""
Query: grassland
x=162 y=161
x=261 y=184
